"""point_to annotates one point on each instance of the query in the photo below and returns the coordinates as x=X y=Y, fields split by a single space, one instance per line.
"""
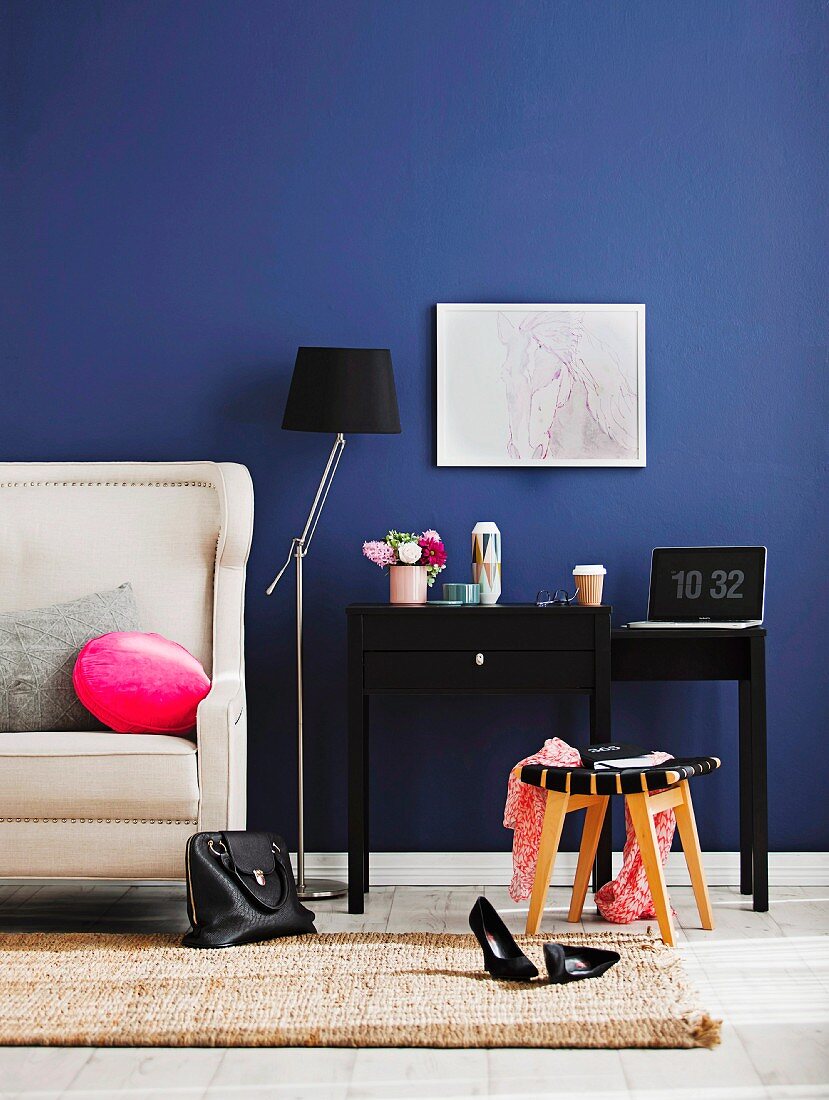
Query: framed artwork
x=541 y=385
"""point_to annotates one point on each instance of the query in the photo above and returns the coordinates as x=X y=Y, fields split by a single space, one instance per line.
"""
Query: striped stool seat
x=646 y=791
x=607 y=781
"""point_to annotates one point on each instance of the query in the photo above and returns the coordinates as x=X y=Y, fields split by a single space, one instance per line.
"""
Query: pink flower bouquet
x=405 y=548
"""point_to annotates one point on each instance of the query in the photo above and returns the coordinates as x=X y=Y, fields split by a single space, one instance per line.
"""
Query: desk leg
x=366 y=794
x=357 y=798
x=603 y=867
x=759 y=774
x=600 y=732
x=358 y=714
x=746 y=791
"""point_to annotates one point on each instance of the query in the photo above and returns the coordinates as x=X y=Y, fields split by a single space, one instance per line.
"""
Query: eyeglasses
x=545 y=598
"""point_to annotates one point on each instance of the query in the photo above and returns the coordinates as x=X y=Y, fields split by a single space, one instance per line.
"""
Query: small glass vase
x=408 y=584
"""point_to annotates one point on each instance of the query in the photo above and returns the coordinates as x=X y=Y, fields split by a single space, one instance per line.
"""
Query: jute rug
x=346 y=990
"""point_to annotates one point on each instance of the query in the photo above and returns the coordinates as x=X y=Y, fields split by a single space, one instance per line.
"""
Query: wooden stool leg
x=640 y=815
x=554 y=813
x=687 y=825
x=593 y=821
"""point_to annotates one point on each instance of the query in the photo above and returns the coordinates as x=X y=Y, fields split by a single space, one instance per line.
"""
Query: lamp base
x=319 y=888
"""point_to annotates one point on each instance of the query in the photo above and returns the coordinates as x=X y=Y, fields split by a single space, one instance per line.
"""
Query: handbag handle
x=226 y=861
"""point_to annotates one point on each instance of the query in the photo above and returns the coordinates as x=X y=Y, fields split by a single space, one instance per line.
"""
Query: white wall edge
x=495 y=868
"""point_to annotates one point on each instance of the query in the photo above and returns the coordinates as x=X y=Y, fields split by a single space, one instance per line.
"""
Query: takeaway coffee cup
x=589 y=581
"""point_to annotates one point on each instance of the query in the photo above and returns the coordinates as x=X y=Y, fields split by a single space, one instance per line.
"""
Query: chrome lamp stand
x=308 y=889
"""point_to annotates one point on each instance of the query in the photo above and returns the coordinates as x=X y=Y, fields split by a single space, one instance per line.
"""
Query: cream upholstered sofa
x=112 y=805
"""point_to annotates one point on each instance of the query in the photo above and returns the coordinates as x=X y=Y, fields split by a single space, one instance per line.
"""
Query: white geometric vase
x=486 y=561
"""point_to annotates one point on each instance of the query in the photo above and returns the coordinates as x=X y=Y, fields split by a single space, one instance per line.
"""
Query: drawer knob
x=479 y=659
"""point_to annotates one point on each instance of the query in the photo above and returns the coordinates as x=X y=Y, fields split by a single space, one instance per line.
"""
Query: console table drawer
x=483 y=628
x=478 y=670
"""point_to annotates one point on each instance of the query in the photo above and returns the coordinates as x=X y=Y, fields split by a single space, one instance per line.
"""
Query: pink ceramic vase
x=408 y=584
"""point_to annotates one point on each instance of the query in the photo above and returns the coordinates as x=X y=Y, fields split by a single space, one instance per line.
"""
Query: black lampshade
x=342 y=390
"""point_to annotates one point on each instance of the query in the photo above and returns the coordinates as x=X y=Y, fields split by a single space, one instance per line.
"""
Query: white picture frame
x=542 y=385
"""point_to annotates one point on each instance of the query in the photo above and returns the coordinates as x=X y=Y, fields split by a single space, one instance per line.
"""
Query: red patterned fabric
x=627 y=898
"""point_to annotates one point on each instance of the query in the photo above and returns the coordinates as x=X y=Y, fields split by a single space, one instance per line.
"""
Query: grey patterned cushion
x=38 y=650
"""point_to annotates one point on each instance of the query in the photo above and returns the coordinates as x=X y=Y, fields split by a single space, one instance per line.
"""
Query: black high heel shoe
x=571 y=964
x=503 y=958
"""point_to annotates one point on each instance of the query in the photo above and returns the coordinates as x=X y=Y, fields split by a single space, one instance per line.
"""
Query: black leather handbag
x=240 y=889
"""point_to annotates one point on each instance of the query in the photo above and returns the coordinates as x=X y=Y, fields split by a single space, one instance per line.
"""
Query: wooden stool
x=570 y=789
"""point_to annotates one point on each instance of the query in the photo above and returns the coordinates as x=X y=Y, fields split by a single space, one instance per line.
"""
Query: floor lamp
x=339 y=390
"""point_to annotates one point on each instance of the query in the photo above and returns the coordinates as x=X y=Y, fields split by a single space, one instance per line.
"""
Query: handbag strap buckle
x=258 y=873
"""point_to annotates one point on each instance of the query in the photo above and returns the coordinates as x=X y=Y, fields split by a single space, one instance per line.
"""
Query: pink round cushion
x=140 y=683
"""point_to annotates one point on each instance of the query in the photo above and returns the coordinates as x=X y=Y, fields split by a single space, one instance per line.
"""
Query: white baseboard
x=495 y=868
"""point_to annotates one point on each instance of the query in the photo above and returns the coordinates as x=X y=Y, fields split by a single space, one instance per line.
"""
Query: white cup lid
x=589 y=571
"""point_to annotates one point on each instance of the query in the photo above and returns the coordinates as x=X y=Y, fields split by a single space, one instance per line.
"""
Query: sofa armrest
x=221 y=722
x=221 y=727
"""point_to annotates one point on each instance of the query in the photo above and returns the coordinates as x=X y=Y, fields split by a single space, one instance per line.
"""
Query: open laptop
x=706 y=587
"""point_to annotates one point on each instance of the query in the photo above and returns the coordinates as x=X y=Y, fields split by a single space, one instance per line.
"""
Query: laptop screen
x=707 y=582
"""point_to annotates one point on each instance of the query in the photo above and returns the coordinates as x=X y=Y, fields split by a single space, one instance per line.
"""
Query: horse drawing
x=550 y=358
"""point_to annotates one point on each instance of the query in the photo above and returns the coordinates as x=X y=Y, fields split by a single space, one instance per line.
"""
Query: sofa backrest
x=69 y=529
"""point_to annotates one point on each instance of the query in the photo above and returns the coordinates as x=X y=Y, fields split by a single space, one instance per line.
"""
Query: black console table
x=505 y=649
x=522 y=649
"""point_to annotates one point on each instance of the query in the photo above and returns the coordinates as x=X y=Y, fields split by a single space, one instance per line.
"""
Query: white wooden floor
x=767 y=975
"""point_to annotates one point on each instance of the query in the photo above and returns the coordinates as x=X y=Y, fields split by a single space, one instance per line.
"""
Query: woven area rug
x=346 y=989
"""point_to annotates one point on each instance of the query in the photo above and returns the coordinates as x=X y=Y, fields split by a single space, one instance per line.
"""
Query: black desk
x=717 y=655
x=506 y=649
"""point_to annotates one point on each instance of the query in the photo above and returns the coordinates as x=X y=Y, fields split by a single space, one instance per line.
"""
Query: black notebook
x=616 y=755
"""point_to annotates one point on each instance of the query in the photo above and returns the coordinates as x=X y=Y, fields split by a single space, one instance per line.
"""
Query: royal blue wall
x=195 y=187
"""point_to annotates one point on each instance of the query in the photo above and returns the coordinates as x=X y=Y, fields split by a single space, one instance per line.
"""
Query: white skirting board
x=495 y=868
